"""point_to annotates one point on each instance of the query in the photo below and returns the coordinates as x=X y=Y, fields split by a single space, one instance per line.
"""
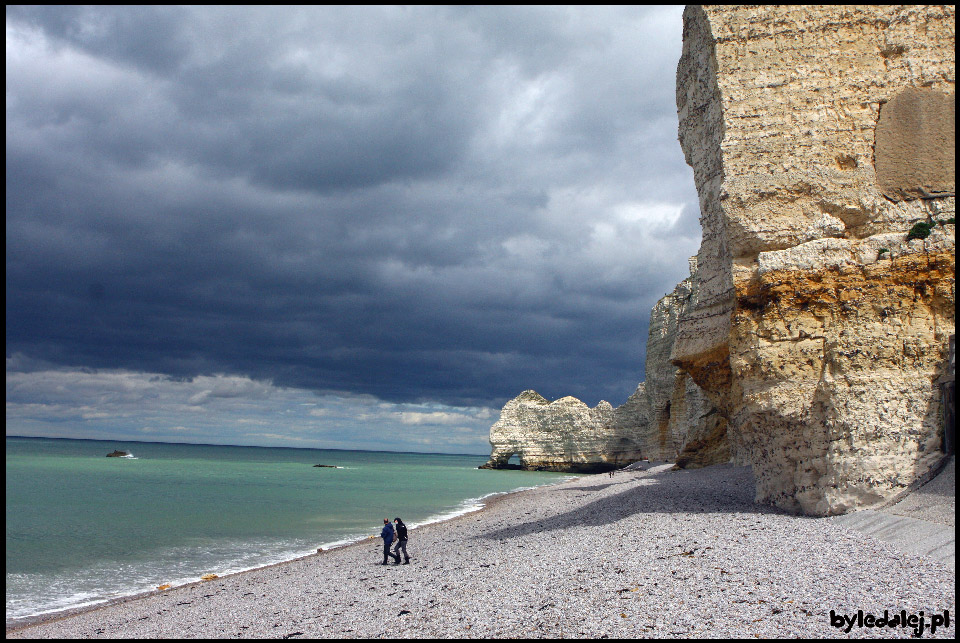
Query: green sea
x=84 y=528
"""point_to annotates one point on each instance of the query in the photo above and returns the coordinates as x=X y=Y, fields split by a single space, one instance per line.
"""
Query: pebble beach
x=642 y=554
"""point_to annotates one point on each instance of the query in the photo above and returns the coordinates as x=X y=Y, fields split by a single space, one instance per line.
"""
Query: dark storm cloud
x=148 y=37
x=449 y=204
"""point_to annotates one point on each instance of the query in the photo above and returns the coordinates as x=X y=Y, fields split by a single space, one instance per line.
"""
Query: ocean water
x=83 y=528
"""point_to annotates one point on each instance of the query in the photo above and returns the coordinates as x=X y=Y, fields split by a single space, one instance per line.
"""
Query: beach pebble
x=653 y=553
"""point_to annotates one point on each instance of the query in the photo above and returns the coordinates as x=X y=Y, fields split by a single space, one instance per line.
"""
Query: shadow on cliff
x=718 y=489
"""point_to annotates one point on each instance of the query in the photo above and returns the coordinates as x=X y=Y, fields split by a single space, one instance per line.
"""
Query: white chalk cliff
x=819 y=137
x=667 y=418
x=567 y=435
x=809 y=339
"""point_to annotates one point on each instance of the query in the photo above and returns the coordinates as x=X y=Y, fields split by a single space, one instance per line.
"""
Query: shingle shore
x=643 y=554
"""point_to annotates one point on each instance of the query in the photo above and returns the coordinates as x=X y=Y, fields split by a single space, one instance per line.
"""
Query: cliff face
x=567 y=435
x=667 y=418
x=684 y=425
x=818 y=137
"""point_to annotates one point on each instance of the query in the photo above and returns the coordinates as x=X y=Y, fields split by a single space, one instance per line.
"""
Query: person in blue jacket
x=387 y=534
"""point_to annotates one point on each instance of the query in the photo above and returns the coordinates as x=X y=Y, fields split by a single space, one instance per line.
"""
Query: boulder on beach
x=118 y=454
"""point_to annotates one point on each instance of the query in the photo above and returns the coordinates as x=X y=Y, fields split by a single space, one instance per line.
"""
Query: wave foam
x=63 y=592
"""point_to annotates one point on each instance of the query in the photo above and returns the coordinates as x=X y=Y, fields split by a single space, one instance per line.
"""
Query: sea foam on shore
x=177 y=512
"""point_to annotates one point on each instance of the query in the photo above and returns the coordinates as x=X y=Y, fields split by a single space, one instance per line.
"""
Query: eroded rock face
x=668 y=417
x=567 y=435
x=915 y=155
x=684 y=425
x=819 y=328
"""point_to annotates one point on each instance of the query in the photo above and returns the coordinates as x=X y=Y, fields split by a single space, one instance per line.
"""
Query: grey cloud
x=414 y=203
x=149 y=37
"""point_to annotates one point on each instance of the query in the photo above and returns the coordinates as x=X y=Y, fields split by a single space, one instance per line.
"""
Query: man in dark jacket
x=387 y=535
x=401 y=542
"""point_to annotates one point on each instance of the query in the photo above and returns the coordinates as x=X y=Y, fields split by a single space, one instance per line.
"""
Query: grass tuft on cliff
x=920 y=230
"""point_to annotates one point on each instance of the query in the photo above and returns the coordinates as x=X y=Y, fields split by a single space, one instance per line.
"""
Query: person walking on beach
x=388 y=535
x=401 y=542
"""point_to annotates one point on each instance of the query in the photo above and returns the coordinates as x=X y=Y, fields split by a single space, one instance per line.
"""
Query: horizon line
x=246 y=446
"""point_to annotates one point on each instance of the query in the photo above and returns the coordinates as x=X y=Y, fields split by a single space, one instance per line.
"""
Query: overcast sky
x=345 y=227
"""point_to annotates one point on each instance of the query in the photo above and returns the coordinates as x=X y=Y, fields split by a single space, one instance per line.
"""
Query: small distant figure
x=401 y=542
x=388 y=535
